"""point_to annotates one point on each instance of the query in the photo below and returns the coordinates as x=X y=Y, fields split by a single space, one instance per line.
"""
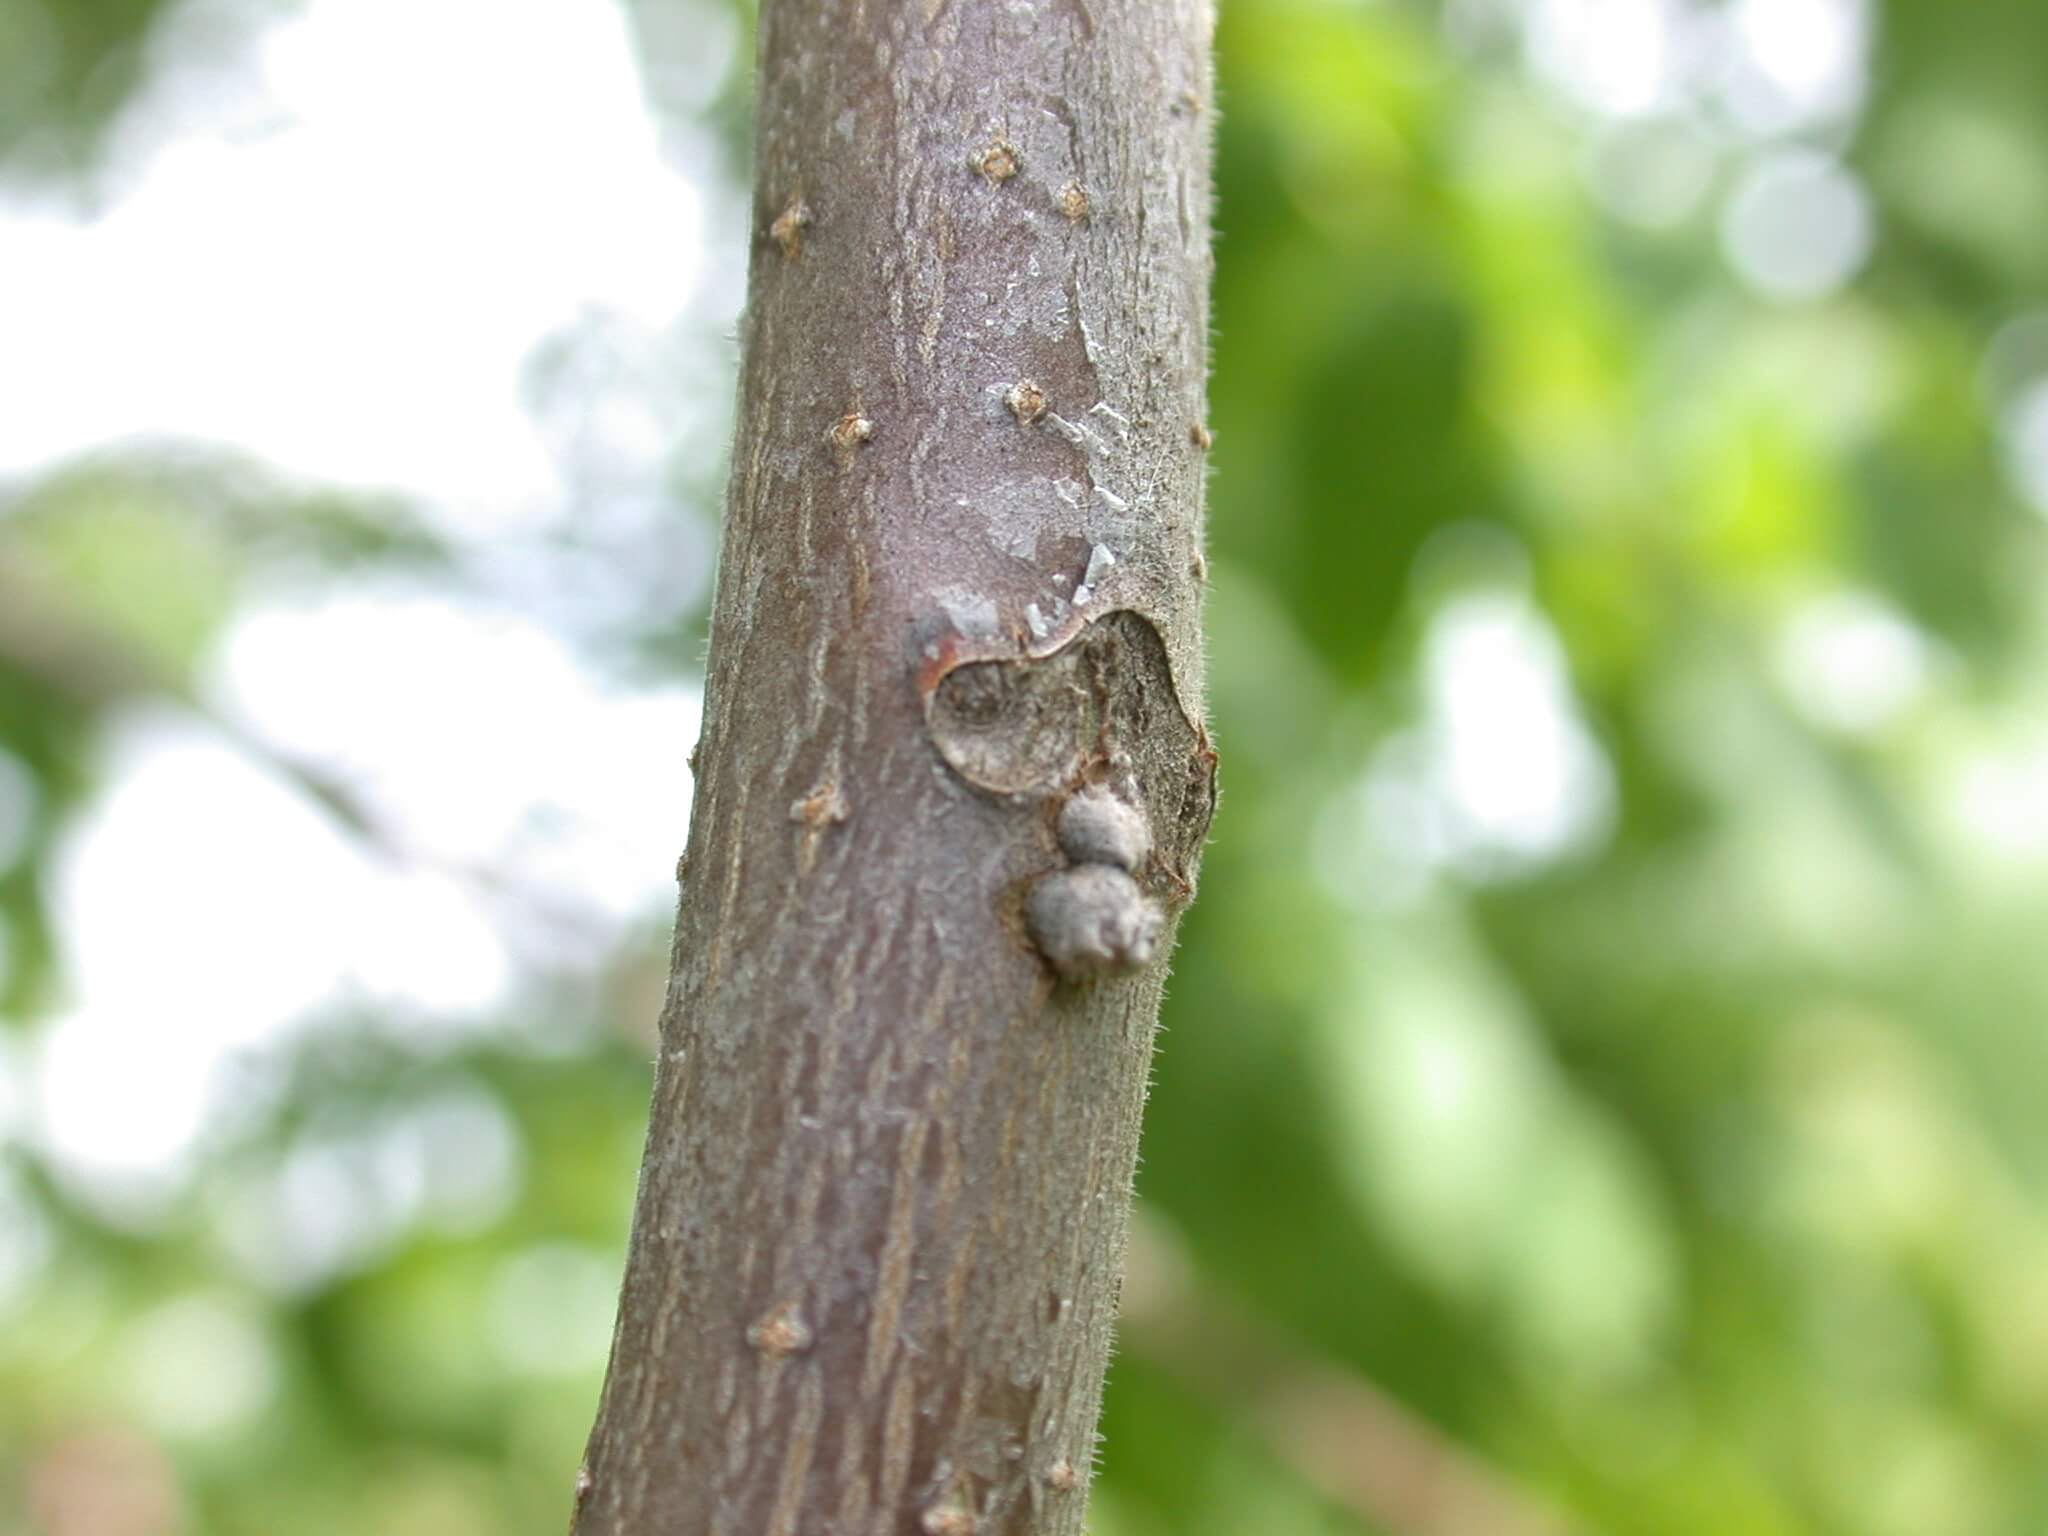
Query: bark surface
x=875 y=1256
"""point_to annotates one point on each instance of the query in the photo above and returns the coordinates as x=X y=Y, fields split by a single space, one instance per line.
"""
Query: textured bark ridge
x=875 y=1256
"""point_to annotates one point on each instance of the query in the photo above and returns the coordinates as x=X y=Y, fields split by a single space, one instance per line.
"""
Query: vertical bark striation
x=875 y=1257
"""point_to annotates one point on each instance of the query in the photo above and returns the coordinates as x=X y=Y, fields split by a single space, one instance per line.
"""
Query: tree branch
x=881 y=1219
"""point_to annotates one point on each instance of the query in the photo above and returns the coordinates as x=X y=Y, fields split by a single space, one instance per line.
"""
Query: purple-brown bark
x=875 y=1258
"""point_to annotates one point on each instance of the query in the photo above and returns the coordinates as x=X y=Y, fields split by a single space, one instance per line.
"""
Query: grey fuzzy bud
x=1095 y=827
x=1093 y=921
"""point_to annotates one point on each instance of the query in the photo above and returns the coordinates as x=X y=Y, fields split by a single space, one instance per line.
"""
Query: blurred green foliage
x=64 y=74
x=1631 y=1070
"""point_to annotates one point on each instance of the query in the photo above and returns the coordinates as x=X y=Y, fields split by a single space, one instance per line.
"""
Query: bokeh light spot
x=1798 y=227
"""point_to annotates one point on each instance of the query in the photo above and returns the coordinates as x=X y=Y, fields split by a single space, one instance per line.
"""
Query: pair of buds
x=1091 y=919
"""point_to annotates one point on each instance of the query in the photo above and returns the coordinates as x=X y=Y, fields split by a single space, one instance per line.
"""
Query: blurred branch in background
x=1348 y=1440
x=74 y=660
x=105 y=1483
x=95 y=668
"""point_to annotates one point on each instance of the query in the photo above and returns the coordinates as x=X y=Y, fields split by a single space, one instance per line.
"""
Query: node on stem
x=823 y=807
x=1026 y=401
x=850 y=431
x=787 y=230
x=996 y=162
x=782 y=1332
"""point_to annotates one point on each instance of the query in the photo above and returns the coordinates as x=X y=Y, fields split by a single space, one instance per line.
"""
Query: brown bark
x=875 y=1257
